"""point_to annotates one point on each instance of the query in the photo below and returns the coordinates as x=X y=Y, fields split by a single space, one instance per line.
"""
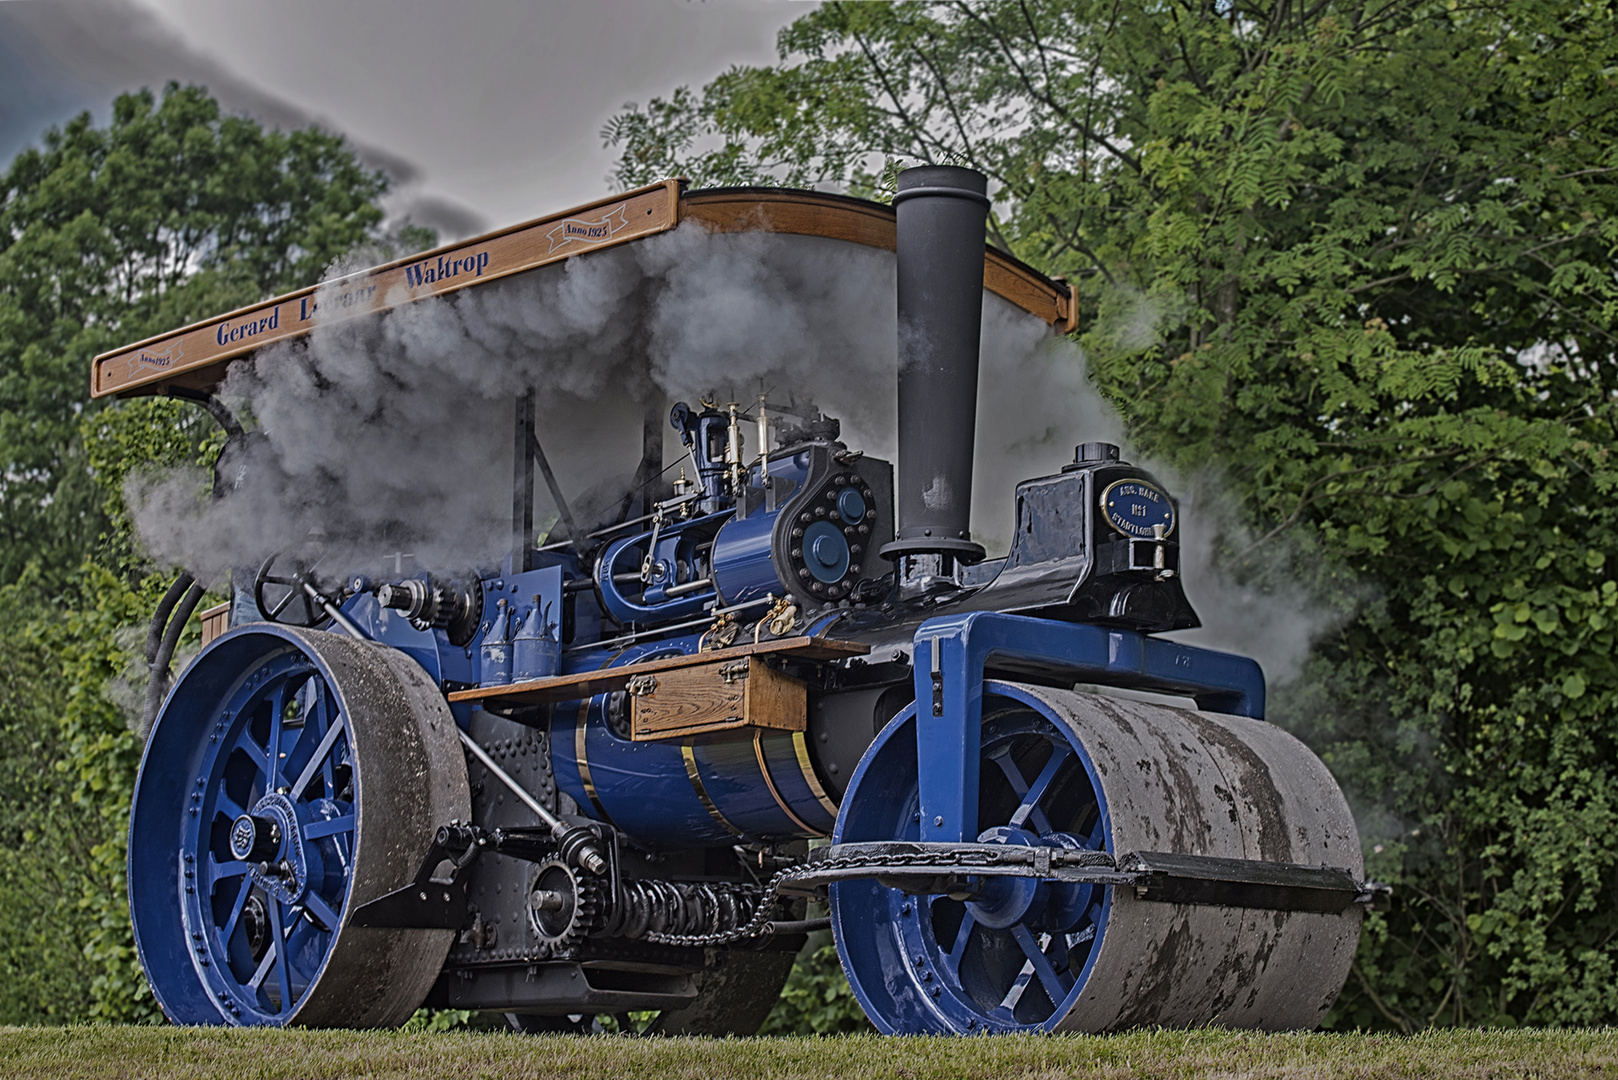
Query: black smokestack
x=942 y=211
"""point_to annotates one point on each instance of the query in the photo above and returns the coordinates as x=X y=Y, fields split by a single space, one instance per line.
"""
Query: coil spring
x=654 y=907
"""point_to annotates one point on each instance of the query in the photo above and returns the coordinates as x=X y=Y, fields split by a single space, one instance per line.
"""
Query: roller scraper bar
x=953 y=652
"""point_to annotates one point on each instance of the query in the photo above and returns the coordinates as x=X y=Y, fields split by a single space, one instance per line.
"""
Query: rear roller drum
x=1079 y=771
x=292 y=776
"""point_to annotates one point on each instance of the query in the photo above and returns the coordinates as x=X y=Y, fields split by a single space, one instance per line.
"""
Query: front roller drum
x=292 y=776
x=1081 y=771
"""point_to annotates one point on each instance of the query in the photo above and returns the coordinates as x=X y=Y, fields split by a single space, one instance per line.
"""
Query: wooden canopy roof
x=196 y=356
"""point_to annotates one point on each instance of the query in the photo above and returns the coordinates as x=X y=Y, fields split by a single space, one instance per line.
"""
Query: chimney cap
x=1092 y=453
x=950 y=181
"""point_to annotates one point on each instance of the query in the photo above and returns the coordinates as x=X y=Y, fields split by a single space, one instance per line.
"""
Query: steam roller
x=620 y=772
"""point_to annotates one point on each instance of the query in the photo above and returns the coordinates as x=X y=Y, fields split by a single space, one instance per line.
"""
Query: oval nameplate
x=1134 y=507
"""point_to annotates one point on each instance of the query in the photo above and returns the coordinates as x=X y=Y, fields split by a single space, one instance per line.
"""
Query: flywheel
x=292 y=776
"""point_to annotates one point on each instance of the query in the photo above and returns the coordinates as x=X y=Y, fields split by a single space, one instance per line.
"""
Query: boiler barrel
x=711 y=791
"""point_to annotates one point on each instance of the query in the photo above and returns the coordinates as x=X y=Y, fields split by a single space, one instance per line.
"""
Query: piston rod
x=577 y=844
x=586 y=854
x=331 y=609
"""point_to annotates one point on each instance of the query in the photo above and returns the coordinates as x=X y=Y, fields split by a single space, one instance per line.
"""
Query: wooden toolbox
x=738 y=695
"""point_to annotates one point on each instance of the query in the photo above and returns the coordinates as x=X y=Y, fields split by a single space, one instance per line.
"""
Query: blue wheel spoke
x=952 y=959
x=283 y=969
x=326 y=710
x=1014 y=995
x=224 y=804
x=236 y=907
x=322 y=752
x=263 y=970
x=329 y=827
x=248 y=745
x=1019 y=787
x=322 y=910
x=1055 y=989
x=223 y=871
x=1036 y=791
x=298 y=931
x=273 y=752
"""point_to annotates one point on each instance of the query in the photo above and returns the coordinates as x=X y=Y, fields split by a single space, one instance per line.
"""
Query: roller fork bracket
x=431 y=901
x=963 y=647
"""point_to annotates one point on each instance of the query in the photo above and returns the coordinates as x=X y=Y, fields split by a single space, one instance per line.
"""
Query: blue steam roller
x=585 y=780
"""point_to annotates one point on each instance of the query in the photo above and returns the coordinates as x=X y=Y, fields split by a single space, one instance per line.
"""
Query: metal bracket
x=429 y=902
x=439 y=903
x=963 y=647
x=1244 y=883
x=641 y=685
x=736 y=669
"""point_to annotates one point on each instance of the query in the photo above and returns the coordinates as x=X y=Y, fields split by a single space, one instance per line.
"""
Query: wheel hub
x=286 y=875
x=255 y=839
x=1007 y=901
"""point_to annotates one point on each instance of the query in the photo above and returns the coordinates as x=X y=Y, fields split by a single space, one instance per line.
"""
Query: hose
x=183 y=596
x=157 y=685
x=160 y=617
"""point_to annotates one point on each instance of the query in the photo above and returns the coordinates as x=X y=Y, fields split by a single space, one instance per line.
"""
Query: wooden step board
x=585 y=684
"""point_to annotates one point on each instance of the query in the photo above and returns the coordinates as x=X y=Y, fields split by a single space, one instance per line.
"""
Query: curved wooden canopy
x=195 y=357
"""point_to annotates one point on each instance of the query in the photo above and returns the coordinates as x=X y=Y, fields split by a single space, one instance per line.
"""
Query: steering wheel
x=280 y=594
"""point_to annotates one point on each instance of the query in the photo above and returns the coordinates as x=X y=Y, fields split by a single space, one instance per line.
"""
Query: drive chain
x=967 y=857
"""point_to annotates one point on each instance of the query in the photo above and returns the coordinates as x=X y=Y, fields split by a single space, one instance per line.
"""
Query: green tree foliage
x=46 y=975
x=171 y=212
x=1360 y=257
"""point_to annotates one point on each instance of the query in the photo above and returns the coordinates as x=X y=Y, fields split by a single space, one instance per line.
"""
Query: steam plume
x=392 y=434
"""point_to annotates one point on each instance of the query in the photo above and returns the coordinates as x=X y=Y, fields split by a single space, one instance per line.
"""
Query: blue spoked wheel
x=1014 y=956
x=292 y=776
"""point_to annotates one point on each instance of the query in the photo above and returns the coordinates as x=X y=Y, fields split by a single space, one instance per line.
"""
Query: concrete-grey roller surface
x=1196 y=783
x=409 y=778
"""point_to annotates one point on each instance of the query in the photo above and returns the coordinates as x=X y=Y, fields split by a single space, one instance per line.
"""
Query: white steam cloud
x=393 y=433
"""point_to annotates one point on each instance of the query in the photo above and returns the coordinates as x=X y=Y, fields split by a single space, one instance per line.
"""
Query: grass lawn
x=309 y=1055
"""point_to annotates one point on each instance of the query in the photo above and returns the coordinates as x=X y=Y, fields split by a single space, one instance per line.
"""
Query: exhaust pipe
x=942 y=211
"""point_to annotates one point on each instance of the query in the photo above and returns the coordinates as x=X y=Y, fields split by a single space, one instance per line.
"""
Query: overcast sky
x=486 y=112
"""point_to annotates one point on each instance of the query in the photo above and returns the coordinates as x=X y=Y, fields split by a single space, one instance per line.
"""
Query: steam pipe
x=942 y=212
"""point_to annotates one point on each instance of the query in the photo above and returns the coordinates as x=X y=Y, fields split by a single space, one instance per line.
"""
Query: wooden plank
x=795 y=213
x=686 y=701
x=775 y=700
x=585 y=684
x=215 y=621
x=196 y=355
x=838 y=217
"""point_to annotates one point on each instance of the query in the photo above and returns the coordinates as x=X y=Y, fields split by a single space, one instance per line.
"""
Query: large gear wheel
x=564 y=906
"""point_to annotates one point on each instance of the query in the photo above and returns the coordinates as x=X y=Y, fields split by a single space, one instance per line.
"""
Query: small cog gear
x=564 y=905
